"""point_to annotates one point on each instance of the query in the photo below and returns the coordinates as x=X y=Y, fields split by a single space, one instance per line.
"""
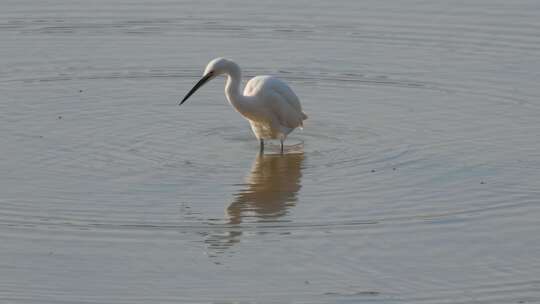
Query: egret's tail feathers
x=304 y=117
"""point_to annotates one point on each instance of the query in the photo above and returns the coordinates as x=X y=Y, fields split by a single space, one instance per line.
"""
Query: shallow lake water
x=418 y=180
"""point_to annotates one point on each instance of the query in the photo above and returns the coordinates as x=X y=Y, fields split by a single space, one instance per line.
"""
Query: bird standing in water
x=269 y=104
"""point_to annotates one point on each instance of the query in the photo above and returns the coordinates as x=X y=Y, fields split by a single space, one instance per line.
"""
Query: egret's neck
x=233 y=90
x=232 y=87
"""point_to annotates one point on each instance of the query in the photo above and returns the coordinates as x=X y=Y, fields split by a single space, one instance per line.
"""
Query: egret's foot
x=282 y=147
x=261 y=147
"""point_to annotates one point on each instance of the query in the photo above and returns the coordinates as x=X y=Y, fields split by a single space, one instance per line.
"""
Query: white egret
x=269 y=104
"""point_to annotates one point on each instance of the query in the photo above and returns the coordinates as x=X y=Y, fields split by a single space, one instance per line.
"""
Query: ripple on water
x=416 y=181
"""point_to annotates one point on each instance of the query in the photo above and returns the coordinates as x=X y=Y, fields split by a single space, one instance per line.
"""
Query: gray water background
x=418 y=180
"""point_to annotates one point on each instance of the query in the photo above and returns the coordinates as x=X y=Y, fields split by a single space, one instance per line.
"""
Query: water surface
x=418 y=179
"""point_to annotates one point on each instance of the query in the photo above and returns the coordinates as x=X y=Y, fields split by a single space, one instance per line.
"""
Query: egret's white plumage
x=269 y=104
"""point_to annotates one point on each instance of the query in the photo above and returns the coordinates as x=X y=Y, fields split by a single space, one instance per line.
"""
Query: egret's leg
x=281 y=140
x=261 y=147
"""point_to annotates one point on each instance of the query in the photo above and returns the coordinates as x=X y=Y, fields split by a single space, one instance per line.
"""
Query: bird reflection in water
x=270 y=190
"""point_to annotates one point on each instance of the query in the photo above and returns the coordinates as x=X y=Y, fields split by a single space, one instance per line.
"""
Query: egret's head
x=218 y=67
x=213 y=69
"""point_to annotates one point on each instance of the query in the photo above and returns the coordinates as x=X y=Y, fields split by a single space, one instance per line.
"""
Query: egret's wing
x=279 y=98
x=281 y=88
x=288 y=95
x=287 y=115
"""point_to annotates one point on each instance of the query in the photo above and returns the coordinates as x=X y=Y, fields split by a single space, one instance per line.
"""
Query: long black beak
x=197 y=86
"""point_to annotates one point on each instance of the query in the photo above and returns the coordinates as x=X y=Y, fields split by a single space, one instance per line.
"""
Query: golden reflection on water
x=271 y=188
